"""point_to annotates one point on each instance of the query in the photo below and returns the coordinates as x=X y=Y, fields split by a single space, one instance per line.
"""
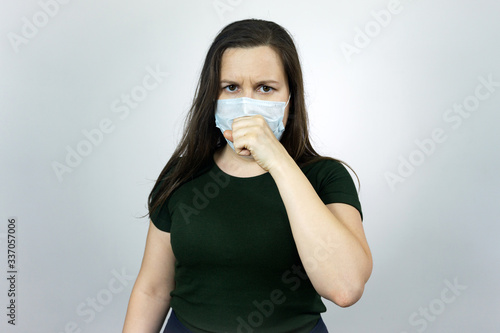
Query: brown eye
x=266 y=89
x=231 y=88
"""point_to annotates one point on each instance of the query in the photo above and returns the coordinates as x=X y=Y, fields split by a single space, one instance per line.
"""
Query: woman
x=249 y=225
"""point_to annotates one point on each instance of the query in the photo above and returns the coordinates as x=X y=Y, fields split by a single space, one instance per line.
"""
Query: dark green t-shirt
x=237 y=267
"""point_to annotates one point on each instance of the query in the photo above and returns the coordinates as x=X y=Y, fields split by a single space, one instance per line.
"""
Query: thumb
x=228 y=134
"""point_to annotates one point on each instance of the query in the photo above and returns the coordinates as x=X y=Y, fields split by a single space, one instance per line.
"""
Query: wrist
x=283 y=165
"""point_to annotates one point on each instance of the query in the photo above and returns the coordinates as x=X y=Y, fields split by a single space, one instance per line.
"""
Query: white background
x=75 y=233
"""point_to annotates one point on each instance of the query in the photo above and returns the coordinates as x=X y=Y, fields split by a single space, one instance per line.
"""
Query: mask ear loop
x=289 y=96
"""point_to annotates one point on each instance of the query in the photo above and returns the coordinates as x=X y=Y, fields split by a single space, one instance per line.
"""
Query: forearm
x=333 y=258
x=145 y=313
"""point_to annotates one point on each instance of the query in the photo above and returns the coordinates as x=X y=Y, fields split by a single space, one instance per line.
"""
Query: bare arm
x=330 y=238
x=150 y=298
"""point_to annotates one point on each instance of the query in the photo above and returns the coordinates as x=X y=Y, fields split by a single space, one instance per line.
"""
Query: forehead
x=258 y=62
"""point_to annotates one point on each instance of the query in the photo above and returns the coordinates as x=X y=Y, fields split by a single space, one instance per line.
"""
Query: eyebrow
x=264 y=82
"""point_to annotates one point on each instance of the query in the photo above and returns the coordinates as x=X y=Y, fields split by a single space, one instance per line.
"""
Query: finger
x=228 y=134
x=244 y=152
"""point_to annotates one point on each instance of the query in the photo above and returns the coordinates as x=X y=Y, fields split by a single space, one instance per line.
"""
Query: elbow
x=348 y=291
x=345 y=297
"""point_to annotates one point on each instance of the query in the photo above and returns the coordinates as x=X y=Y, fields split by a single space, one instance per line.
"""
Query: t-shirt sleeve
x=334 y=184
x=161 y=215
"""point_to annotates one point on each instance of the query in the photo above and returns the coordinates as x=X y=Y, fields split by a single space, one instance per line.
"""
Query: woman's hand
x=251 y=135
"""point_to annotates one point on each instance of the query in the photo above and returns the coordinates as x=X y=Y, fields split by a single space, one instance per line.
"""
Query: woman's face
x=256 y=73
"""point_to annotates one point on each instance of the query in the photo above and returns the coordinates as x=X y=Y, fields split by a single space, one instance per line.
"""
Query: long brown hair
x=201 y=138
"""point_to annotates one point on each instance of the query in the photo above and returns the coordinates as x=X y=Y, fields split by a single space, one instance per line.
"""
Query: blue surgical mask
x=229 y=109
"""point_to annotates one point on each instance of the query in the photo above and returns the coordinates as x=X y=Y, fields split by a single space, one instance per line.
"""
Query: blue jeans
x=175 y=326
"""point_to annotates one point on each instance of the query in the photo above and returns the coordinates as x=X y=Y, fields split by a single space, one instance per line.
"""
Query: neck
x=235 y=165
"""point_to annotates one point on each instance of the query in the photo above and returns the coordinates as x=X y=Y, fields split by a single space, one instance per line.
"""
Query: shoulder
x=322 y=163
x=332 y=181
x=325 y=168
